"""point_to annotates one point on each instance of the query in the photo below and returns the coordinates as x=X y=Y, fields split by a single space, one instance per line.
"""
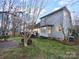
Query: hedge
x=4 y=37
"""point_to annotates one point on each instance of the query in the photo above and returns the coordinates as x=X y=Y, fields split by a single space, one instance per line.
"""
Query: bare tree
x=30 y=11
x=33 y=9
x=13 y=12
x=5 y=14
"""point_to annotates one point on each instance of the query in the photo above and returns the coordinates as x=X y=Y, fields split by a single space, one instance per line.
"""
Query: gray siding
x=44 y=32
x=56 y=19
x=66 y=22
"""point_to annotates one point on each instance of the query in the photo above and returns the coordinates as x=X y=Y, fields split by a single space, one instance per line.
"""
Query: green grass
x=41 y=49
x=18 y=39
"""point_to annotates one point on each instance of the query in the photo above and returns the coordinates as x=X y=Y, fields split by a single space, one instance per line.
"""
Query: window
x=0 y=16
x=49 y=29
x=43 y=29
x=58 y=28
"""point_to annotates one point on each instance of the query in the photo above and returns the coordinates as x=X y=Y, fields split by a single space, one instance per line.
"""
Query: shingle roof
x=54 y=11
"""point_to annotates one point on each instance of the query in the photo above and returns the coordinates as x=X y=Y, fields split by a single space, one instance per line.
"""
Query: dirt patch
x=8 y=44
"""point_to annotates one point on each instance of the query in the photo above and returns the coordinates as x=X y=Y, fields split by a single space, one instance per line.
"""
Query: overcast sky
x=73 y=5
x=54 y=4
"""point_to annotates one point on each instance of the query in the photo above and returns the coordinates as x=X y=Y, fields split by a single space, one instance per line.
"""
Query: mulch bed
x=76 y=42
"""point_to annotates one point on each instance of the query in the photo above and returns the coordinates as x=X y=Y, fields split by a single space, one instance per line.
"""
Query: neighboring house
x=4 y=22
x=54 y=23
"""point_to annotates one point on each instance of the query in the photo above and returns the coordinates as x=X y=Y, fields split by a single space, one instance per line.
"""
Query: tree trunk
x=14 y=33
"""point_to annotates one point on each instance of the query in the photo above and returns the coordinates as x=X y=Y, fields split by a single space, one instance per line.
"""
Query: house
x=4 y=22
x=56 y=24
x=6 y=19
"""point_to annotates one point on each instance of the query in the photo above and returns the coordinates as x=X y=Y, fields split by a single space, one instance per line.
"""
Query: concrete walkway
x=8 y=44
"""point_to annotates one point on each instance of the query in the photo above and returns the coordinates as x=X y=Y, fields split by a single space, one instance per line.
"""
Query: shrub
x=4 y=37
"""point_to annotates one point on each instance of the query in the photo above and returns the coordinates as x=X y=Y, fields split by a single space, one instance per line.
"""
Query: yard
x=41 y=49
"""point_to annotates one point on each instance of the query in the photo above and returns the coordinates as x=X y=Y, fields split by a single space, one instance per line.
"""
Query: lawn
x=41 y=49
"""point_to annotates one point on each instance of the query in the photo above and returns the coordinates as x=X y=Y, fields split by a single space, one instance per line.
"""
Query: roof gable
x=55 y=11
